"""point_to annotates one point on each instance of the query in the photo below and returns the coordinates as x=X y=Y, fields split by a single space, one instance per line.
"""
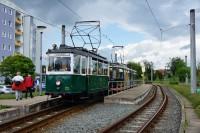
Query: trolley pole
x=193 y=51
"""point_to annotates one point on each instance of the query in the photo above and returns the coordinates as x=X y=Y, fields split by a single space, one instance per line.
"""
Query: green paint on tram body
x=73 y=84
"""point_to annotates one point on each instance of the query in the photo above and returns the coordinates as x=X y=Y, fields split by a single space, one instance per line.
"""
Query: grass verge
x=4 y=107
x=12 y=96
x=185 y=91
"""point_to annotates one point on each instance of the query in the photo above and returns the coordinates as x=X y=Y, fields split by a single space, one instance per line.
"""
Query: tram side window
x=90 y=66
x=94 y=67
x=100 y=68
x=51 y=64
x=121 y=74
x=105 y=69
x=84 y=65
x=114 y=73
x=77 y=64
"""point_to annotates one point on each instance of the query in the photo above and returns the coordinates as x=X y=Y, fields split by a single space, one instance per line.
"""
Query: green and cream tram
x=76 y=72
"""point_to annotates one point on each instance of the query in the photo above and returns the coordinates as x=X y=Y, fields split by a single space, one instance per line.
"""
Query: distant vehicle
x=6 y=89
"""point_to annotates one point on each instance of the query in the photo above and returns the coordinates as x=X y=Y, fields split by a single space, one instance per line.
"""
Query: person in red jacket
x=28 y=82
x=18 y=86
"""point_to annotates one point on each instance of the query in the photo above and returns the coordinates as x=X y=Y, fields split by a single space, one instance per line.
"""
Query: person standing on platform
x=28 y=83
x=37 y=85
x=18 y=86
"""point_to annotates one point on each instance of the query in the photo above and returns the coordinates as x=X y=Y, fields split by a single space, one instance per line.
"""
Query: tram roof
x=76 y=50
x=122 y=66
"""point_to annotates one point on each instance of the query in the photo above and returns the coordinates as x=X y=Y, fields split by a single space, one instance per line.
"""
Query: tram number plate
x=66 y=88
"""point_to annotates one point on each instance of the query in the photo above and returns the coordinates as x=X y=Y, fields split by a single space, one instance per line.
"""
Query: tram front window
x=59 y=64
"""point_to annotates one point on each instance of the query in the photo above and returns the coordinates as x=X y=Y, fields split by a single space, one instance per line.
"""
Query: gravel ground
x=92 y=119
x=171 y=119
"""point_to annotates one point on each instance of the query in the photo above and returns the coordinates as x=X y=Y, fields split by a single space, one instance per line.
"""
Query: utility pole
x=186 y=75
x=151 y=71
x=193 y=51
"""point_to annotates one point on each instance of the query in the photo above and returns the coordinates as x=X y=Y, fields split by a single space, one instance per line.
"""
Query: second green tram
x=76 y=72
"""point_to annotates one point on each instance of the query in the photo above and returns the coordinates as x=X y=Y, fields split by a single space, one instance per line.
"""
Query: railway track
x=140 y=120
x=34 y=121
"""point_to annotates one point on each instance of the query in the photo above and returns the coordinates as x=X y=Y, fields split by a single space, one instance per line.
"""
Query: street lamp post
x=143 y=70
x=151 y=71
x=40 y=29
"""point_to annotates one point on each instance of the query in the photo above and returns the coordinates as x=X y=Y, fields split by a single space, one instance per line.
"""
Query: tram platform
x=23 y=102
x=129 y=96
x=26 y=106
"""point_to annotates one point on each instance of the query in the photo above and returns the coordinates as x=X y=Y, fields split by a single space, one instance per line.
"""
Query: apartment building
x=7 y=36
x=18 y=34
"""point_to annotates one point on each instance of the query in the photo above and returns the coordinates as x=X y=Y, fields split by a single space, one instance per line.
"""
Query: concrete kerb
x=140 y=98
x=9 y=113
x=18 y=111
x=136 y=100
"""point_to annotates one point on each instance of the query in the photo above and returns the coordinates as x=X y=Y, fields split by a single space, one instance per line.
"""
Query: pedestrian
x=18 y=86
x=37 y=84
x=28 y=83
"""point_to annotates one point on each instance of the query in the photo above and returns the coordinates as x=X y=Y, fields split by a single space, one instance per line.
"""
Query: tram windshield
x=59 y=64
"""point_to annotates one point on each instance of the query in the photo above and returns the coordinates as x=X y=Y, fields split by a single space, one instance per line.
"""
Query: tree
x=12 y=64
x=178 y=68
x=159 y=75
x=137 y=67
x=198 y=71
x=148 y=66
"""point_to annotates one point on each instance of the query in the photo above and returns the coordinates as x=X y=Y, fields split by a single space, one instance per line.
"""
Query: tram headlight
x=58 y=82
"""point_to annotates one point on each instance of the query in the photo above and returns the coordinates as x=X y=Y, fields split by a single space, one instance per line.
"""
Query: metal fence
x=118 y=86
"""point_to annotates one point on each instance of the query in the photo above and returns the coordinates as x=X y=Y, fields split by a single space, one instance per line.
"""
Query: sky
x=129 y=23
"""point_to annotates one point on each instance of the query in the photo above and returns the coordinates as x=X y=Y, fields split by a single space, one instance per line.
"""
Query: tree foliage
x=178 y=68
x=12 y=64
x=159 y=75
x=137 y=67
x=148 y=66
x=198 y=71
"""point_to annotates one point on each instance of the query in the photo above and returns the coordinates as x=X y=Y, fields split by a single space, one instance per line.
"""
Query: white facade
x=29 y=35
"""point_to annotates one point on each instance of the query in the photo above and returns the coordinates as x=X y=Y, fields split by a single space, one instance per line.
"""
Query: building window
x=10 y=23
x=10 y=11
x=3 y=34
x=4 y=21
x=3 y=57
x=10 y=36
x=4 y=47
x=4 y=9
x=9 y=47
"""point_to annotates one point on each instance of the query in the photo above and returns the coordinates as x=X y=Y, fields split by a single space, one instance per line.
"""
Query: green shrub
x=173 y=82
x=186 y=92
x=4 y=107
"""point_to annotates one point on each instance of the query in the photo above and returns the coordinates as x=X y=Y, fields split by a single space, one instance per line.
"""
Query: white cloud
x=131 y=15
x=160 y=52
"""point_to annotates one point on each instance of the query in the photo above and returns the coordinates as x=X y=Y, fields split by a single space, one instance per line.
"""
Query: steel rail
x=36 y=124
x=44 y=122
x=9 y=124
x=147 y=125
x=117 y=124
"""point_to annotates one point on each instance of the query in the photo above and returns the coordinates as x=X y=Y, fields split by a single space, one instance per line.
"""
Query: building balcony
x=18 y=32
x=18 y=14
x=18 y=21
x=18 y=43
